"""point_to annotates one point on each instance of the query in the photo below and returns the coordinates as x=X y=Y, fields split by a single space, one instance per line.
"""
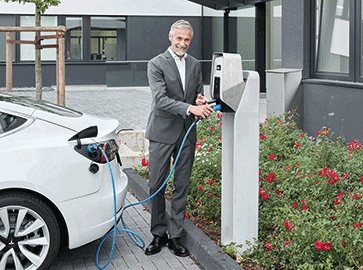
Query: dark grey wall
x=323 y=97
x=6 y=20
x=149 y=36
x=76 y=74
x=320 y=97
x=293 y=33
x=146 y=38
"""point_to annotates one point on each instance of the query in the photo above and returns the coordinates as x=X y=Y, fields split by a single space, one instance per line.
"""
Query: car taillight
x=109 y=147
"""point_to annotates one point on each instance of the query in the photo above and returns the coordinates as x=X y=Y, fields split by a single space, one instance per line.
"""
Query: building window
x=338 y=40
x=333 y=38
x=27 y=52
x=108 y=38
x=246 y=17
x=74 y=38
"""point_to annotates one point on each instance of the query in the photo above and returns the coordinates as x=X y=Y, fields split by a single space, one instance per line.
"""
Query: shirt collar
x=175 y=56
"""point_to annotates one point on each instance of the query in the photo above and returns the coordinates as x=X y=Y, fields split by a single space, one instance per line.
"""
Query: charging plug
x=217 y=107
x=91 y=148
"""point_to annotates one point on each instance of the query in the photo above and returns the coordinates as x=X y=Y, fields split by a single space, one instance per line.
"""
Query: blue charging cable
x=92 y=148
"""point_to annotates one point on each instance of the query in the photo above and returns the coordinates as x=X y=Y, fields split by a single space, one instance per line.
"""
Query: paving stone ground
x=131 y=107
x=126 y=255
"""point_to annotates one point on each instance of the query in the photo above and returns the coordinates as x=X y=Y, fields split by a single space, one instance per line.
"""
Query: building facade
x=110 y=42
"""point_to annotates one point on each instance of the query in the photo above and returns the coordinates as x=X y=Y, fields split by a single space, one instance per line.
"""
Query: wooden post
x=62 y=67
x=57 y=67
x=9 y=62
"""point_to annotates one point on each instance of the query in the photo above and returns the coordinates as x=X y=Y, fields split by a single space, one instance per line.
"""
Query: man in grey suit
x=175 y=81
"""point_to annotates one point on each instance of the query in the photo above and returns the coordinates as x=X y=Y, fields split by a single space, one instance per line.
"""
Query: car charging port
x=93 y=168
x=94 y=151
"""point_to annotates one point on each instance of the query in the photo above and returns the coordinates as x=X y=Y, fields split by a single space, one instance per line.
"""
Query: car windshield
x=40 y=105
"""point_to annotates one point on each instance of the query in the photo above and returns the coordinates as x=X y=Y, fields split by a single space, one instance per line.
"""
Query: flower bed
x=311 y=192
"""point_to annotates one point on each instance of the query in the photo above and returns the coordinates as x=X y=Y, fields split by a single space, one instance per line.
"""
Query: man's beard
x=179 y=50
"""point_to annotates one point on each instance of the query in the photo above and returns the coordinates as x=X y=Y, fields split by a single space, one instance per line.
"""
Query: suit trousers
x=159 y=168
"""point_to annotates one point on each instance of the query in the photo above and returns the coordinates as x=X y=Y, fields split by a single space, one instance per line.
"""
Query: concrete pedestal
x=240 y=165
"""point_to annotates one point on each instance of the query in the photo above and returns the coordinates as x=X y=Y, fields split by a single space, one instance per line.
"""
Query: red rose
x=319 y=245
x=262 y=136
x=144 y=163
x=271 y=157
x=336 y=201
x=288 y=225
x=293 y=205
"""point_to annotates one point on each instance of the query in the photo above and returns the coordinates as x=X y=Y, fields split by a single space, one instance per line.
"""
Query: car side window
x=9 y=122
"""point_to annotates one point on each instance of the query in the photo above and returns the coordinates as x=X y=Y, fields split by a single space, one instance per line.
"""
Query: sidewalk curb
x=204 y=250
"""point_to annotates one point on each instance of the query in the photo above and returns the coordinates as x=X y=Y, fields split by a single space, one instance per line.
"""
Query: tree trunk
x=38 y=67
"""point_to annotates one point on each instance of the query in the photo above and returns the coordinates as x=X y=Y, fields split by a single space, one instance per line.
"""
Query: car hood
x=105 y=125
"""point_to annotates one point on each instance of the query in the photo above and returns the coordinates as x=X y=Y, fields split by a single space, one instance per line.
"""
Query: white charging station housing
x=240 y=147
x=227 y=80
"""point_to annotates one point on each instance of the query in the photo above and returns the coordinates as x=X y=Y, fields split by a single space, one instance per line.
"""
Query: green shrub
x=204 y=198
x=311 y=193
x=310 y=207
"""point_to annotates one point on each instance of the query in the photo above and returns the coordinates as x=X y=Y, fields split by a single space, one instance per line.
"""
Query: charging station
x=237 y=92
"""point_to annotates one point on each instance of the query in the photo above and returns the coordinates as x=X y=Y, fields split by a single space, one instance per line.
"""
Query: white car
x=53 y=190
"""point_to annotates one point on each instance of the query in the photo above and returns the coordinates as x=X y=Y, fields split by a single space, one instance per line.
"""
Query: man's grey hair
x=181 y=24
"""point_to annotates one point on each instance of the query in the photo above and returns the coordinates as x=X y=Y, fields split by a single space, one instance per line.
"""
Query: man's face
x=180 y=41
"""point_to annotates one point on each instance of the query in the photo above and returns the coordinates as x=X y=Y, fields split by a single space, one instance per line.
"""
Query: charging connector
x=132 y=235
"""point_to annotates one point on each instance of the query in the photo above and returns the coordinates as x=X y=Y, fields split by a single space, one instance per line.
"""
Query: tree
x=40 y=7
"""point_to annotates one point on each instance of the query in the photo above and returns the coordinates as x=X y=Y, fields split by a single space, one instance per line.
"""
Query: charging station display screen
x=217 y=88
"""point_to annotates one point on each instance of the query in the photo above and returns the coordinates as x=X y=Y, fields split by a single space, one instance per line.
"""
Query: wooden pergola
x=60 y=46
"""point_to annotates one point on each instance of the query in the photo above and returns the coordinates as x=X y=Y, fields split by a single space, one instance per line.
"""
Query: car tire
x=29 y=232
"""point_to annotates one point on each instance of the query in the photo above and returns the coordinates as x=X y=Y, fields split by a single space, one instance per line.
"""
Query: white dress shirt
x=180 y=63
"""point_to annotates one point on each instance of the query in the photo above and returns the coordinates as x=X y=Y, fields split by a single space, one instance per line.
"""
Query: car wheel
x=29 y=232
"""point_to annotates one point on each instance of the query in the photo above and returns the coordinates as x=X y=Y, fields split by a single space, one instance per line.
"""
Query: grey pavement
x=130 y=106
x=127 y=255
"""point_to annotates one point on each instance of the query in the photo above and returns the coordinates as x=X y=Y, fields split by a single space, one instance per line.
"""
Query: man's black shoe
x=178 y=248
x=156 y=244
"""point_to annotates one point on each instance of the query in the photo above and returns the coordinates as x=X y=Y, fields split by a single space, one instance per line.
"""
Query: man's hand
x=202 y=110
x=201 y=100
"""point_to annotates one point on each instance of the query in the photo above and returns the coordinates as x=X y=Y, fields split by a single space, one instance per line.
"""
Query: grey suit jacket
x=169 y=102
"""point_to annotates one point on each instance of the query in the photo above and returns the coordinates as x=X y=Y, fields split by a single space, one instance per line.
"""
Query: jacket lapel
x=187 y=74
x=172 y=63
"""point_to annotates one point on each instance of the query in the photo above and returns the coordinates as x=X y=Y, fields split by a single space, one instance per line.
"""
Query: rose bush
x=311 y=195
x=310 y=210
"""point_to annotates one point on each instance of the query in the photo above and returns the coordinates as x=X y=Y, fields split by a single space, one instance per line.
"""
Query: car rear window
x=40 y=105
x=9 y=122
